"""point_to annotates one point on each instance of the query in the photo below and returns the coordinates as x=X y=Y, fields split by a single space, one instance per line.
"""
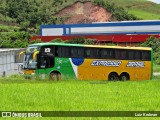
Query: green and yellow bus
x=88 y=62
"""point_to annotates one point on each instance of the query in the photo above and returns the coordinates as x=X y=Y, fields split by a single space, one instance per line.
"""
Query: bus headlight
x=32 y=73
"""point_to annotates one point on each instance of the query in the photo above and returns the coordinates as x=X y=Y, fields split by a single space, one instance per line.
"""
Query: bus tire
x=124 y=76
x=53 y=76
x=58 y=76
x=113 y=76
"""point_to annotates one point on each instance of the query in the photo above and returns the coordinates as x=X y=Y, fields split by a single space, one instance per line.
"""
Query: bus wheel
x=113 y=77
x=124 y=77
x=58 y=76
x=53 y=76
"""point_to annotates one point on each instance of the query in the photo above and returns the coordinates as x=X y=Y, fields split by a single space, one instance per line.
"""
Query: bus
x=88 y=62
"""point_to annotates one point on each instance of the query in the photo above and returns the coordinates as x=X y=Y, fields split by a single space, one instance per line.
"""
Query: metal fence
x=9 y=61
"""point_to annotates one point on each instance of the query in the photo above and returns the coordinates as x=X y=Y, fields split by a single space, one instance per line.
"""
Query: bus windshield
x=29 y=62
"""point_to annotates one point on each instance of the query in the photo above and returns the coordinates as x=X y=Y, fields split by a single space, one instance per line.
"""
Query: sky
x=156 y=1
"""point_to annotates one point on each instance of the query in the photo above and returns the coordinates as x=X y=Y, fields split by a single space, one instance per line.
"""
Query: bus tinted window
x=89 y=53
x=137 y=55
x=92 y=53
x=146 y=55
x=77 y=52
x=96 y=53
x=120 y=54
x=63 y=52
x=80 y=52
x=46 y=62
x=131 y=55
x=134 y=55
x=123 y=55
x=107 y=53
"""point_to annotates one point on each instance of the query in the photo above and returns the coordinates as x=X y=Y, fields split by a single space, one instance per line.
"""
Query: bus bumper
x=28 y=73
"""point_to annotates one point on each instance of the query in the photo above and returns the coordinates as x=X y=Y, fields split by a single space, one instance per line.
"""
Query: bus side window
x=46 y=62
x=96 y=53
x=92 y=53
x=117 y=54
x=123 y=55
x=107 y=53
x=43 y=62
x=146 y=55
x=80 y=52
x=134 y=55
x=50 y=62
x=73 y=52
x=77 y=52
x=88 y=53
x=120 y=54
x=131 y=55
x=63 y=51
x=137 y=55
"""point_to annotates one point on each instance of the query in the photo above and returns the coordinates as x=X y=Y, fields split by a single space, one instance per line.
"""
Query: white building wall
x=52 y=31
x=9 y=61
x=119 y=29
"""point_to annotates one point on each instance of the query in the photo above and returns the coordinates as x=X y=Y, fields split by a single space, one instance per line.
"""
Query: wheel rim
x=113 y=77
x=124 y=77
x=53 y=76
x=58 y=77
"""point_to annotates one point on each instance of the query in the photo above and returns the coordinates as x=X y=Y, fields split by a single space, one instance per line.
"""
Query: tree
x=154 y=43
x=79 y=40
x=89 y=42
x=59 y=40
x=118 y=12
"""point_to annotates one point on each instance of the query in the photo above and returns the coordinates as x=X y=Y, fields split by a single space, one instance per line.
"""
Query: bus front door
x=46 y=63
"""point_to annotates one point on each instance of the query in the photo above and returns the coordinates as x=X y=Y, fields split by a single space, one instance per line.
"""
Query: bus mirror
x=23 y=52
x=35 y=54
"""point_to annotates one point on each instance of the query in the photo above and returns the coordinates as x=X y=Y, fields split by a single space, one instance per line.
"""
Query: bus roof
x=50 y=43
x=96 y=46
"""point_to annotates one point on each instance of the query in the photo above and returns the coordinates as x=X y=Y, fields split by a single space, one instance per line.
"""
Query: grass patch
x=17 y=93
x=156 y=68
x=144 y=15
x=126 y=3
x=141 y=8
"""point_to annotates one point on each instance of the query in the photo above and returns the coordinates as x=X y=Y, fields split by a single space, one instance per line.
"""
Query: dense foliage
x=13 y=39
x=79 y=40
x=154 y=43
x=21 y=19
x=30 y=12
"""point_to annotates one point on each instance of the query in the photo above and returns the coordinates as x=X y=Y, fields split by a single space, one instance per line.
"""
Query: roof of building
x=10 y=49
